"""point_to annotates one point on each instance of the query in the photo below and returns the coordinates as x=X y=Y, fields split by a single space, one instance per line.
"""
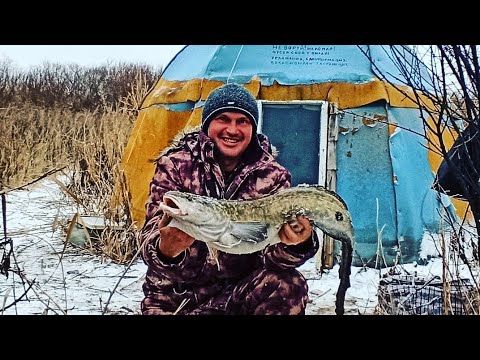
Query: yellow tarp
x=153 y=130
x=345 y=95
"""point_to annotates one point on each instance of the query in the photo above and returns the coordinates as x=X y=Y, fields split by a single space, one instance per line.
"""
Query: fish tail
x=344 y=275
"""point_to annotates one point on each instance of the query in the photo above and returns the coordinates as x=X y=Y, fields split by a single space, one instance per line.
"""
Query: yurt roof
x=291 y=64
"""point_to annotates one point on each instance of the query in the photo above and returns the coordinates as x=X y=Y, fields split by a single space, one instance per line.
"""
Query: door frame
x=323 y=135
x=327 y=164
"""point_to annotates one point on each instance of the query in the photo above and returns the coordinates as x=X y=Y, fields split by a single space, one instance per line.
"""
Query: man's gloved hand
x=173 y=241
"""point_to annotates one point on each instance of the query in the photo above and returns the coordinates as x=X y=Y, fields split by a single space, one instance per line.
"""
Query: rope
x=234 y=63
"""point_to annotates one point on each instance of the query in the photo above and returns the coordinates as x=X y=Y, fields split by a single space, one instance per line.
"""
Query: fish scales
x=275 y=209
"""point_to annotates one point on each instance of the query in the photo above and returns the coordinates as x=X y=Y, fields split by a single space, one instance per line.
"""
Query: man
x=226 y=159
x=462 y=179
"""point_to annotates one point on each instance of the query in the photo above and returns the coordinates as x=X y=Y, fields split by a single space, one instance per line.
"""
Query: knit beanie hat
x=229 y=97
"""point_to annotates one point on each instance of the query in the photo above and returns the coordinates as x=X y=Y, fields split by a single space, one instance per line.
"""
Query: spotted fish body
x=246 y=226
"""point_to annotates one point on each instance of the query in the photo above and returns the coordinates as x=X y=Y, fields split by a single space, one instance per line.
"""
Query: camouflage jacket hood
x=189 y=165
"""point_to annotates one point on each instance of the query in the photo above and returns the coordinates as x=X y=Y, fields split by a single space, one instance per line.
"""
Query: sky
x=71 y=281
x=26 y=56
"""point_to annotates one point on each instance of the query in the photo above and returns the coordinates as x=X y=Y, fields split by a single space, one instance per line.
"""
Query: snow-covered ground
x=68 y=280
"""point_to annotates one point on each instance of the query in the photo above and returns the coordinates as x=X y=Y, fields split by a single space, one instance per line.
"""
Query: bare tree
x=444 y=82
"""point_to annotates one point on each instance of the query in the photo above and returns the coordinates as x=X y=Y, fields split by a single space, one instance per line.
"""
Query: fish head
x=199 y=216
x=325 y=208
x=337 y=223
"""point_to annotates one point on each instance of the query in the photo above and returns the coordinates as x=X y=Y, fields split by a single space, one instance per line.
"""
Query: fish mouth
x=171 y=207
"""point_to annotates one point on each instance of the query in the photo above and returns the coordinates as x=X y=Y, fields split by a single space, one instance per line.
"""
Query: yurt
x=338 y=116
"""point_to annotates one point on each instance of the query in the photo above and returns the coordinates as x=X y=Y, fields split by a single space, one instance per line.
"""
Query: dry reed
x=88 y=145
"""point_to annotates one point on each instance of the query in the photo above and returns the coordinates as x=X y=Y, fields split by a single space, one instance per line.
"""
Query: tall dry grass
x=35 y=140
x=86 y=147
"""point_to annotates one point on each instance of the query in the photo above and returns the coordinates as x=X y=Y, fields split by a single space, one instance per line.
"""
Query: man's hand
x=296 y=232
x=173 y=241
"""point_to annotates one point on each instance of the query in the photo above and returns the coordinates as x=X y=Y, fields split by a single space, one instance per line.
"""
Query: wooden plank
x=325 y=256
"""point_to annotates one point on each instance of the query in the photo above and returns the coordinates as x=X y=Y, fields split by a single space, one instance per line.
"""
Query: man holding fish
x=226 y=159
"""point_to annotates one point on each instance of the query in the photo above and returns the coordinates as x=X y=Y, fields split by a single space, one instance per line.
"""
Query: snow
x=70 y=280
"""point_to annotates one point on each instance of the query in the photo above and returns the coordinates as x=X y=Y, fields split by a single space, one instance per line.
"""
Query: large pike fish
x=246 y=226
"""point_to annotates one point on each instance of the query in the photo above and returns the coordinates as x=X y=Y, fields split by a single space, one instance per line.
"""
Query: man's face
x=231 y=132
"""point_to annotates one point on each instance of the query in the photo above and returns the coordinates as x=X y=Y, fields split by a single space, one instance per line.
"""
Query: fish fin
x=249 y=231
x=219 y=244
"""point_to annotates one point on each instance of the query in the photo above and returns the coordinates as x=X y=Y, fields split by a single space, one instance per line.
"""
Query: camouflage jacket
x=189 y=166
